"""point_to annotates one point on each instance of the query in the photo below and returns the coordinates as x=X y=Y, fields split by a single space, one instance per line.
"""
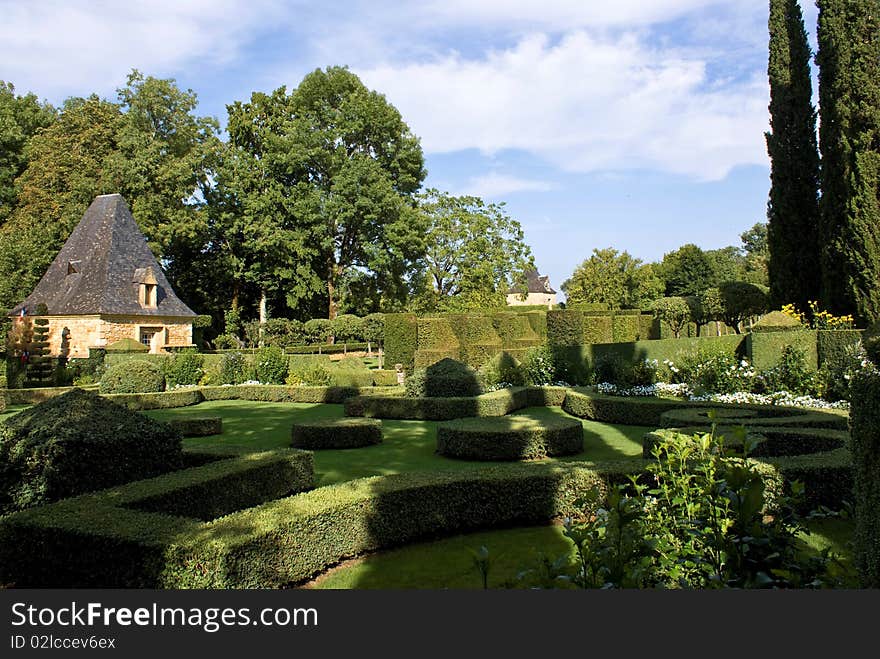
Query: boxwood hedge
x=198 y=426
x=349 y=432
x=865 y=431
x=509 y=438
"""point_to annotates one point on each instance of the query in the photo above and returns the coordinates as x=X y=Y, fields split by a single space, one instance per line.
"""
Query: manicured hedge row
x=198 y=427
x=764 y=348
x=650 y=411
x=121 y=537
x=832 y=344
x=291 y=540
x=496 y=403
x=37 y=394
x=401 y=336
x=509 y=438
x=160 y=400
x=753 y=415
x=865 y=431
x=384 y=378
x=350 y=432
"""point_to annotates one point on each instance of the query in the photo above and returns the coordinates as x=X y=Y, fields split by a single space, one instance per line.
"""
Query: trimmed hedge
x=123 y=537
x=831 y=345
x=384 y=378
x=127 y=345
x=350 y=432
x=38 y=394
x=132 y=377
x=160 y=400
x=401 y=339
x=865 y=432
x=753 y=415
x=477 y=338
x=509 y=438
x=625 y=328
x=658 y=412
x=79 y=442
x=565 y=327
x=765 y=348
x=447 y=377
x=198 y=426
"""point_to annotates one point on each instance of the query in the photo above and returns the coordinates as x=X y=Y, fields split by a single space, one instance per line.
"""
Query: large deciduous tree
x=614 y=279
x=793 y=206
x=849 y=100
x=21 y=117
x=687 y=271
x=474 y=252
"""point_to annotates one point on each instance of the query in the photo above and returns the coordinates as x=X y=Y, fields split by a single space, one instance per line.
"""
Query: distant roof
x=100 y=267
x=537 y=284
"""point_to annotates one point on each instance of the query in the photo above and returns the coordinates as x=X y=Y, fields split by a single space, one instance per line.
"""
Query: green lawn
x=406 y=446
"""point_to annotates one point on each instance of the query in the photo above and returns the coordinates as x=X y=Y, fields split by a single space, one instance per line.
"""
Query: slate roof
x=537 y=284
x=97 y=270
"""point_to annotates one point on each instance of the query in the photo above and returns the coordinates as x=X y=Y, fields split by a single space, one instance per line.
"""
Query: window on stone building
x=147 y=334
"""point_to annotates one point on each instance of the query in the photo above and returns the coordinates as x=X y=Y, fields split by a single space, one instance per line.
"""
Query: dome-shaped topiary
x=447 y=378
x=136 y=376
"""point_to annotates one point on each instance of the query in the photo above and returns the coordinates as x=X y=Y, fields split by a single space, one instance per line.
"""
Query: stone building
x=539 y=292
x=105 y=285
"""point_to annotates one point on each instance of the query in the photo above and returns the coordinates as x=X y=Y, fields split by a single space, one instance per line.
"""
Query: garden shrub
x=79 y=442
x=765 y=348
x=198 y=426
x=384 y=378
x=539 y=366
x=132 y=377
x=270 y=366
x=496 y=403
x=127 y=345
x=777 y=321
x=509 y=438
x=341 y=376
x=349 y=432
x=838 y=370
x=233 y=368
x=598 y=327
x=865 y=446
x=502 y=369
x=565 y=327
x=446 y=378
x=184 y=368
x=715 y=372
x=514 y=330
x=159 y=401
x=791 y=373
x=625 y=327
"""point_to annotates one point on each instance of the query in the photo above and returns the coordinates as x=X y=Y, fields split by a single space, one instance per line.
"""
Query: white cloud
x=495 y=184
x=584 y=103
x=58 y=47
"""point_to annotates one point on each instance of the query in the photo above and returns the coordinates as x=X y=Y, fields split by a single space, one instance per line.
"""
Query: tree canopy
x=614 y=279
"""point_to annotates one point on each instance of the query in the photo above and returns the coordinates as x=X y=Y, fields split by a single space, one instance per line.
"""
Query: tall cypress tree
x=849 y=94
x=793 y=206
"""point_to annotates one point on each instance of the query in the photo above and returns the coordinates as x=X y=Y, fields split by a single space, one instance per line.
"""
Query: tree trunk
x=263 y=314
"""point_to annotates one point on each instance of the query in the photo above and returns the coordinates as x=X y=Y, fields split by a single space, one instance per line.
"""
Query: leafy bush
x=836 y=375
x=79 y=442
x=865 y=431
x=184 y=368
x=282 y=332
x=127 y=345
x=234 y=368
x=539 y=366
x=270 y=366
x=318 y=330
x=703 y=523
x=611 y=368
x=136 y=376
x=446 y=378
x=336 y=433
x=790 y=374
x=674 y=311
x=226 y=342
x=715 y=372
x=509 y=438
x=311 y=373
x=502 y=369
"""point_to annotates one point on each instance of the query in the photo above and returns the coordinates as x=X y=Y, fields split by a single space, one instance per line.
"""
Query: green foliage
x=776 y=321
x=472 y=250
x=509 y=438
x=539 y=366
x=135 y=376
x=39 y=366
x=401 y=340
x=443 y=379
x=127 y=345
x=336 y=433
x=226 y=342
x=270 y=366
x=791 y=373
x=687 y=271
x=233 y=368
x=348 y=327
x=184 y=368
x=285 y=541
x=706 y=307
x=198 y=426
x=613 y=279
x=865 y=446
x=318 y=330
x=849 y=98
x=79 y=442
x=565 y=327
x=700 y=522
x=496 y=403
x=373 y=328
x=765 y=348
x=740 y=301
x=674 y=311
x=793 y=209
x=710 y=371
x=502 y=369
x=283 y=332
x=312 y=373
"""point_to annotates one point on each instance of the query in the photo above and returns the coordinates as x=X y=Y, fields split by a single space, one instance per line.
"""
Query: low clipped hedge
x=637 y=411
x=158 y=401
x=384 y=378
x=865 y=431
x=198 y=427
x=122 y=536
x=349 y=432
x=446 y=378
x=509 y=438
x=755 y=415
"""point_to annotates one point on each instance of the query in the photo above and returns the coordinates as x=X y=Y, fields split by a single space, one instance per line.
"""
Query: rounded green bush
x=503 y=368
x=136 y=376
x=348 y=432
x=509 y=438
x=447 y=378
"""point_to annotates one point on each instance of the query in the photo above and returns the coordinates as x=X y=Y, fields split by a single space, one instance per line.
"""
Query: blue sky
x=636 y=124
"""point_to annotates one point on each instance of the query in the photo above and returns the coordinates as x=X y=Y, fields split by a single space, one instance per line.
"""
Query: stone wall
x=72 y=336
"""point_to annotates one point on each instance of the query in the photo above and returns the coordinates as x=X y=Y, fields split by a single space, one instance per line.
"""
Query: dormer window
x=148 y=288
x=73 y=267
